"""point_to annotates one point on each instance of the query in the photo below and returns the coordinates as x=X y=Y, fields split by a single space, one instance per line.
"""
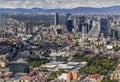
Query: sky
x=52 y=4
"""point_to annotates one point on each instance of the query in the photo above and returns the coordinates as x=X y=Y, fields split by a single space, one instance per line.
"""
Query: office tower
x=82 y=21
x=95 y=28
x=104 y=27
x=90 y=24
x=16 y=31
x=84 y=30
x=29 y=29
x=56 y=19
x=114 y=33
x=74 y=23
x=69 y=23
x=84 y=25
x=68 y=15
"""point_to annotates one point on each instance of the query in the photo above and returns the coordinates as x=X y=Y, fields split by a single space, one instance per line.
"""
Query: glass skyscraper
x=104 y=27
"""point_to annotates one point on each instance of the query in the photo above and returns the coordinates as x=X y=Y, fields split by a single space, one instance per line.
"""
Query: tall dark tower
x=84 y=26
x=114 y=34
x=16 y=31
x=104 y=27
x=82 y=19
x=82 y=22
x=29 y=29
x=69 y=22
x=56 y=19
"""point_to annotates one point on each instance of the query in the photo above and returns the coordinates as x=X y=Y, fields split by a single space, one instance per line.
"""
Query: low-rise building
x=18 y=67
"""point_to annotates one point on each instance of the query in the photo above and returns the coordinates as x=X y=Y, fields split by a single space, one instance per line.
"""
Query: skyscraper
x=114 y=34
x=84 y=30
x=29 y=29
x=84 y=24
x=90 y=24
x=82 y=21
x=56 y=19
x=75 y=22
x=16 y=31
x=104 y=27
x=69 y=23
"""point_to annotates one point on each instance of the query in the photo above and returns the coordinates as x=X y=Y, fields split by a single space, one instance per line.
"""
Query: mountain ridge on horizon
x=63 y=8
x=89 y=10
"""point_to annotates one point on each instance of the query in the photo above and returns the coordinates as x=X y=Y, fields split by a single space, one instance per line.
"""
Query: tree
x=43 y=69
x=60 y=71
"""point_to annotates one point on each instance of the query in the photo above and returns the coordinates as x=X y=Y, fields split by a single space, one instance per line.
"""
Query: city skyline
x=53 y=4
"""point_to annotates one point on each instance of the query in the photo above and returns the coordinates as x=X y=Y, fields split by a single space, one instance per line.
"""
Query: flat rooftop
x=73 y=63
x=50 y=66
x=64 y=65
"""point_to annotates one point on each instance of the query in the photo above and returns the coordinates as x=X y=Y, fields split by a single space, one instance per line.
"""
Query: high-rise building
x=29 y=29
x=104 y=27
x=16 y=31
x=74 y=23
x=84 y=30
x=114 y=33
x=69 y=23
x=56 y=19
x=82 y=21
x=68 y=15
x=86 y=26
x=90 y=24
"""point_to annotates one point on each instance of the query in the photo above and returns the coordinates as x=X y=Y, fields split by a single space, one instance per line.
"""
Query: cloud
x=56 y=3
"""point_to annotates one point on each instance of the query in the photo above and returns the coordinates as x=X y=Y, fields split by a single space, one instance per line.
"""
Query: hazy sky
x=56 y=3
